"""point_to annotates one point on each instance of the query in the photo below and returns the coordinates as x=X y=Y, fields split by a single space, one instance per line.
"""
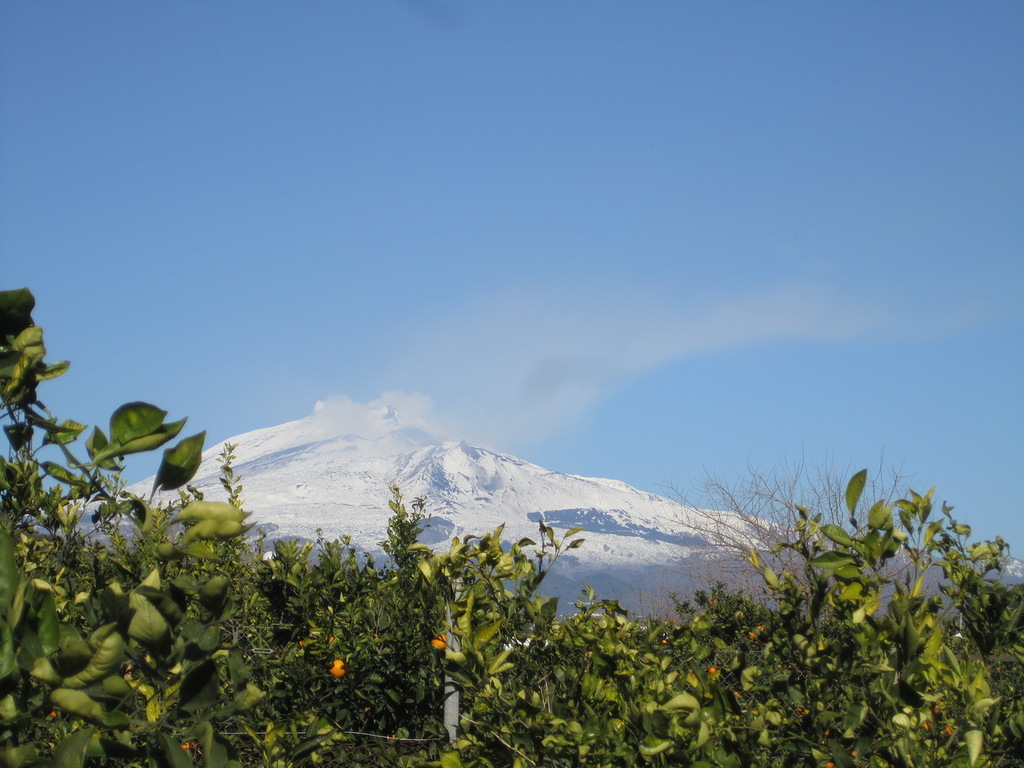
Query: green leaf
x=180 y=463
x=163 y=434
x=832 y=561
x=96 y=442
x=141 y=514
x=837 y=534
x=8 y=661
x=486 y=632
x=176 y=756
x=8 y=570
x=703 y=735
x=19 y=757
x=451 y=760
x=65 y=432
x=213 y=592
x=213 y=530
x=8 y=362
x=880 y=517
x=70 y=753
x=77 y=703
x=19 y=435
x=104 y=662
x=148 y=626
x=849 y=573
x=53 y=370
x=652 y=745
x=499 y=663
x=248 y=698
x=30 y=341
x=15 y=311
x=55 y=470
x=114 y=719
x=683 y=700
x=974 y=740
x=43 y=670
x=855 y=489
x=840 y=756
x=855 y=715
x=74 y=656
x=200 y=687
x=134 y=420
x=49 y=626
x=199 y=511
x=219 y=753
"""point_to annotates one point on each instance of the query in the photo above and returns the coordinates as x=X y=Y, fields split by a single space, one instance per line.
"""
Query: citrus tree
x=98 y=659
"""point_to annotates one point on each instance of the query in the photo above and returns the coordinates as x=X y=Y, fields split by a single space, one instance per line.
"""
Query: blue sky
x=647 y=241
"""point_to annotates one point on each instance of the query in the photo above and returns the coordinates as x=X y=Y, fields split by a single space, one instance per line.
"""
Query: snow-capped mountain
x=307 y=475
x=334 y=475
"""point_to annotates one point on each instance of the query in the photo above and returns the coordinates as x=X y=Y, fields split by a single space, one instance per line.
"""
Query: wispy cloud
x=522 y=363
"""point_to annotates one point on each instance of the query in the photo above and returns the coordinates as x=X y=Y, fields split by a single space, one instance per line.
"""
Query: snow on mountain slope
x=307 y=475
x=318 y=474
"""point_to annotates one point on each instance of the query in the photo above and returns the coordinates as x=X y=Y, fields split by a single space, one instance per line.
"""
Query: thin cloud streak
x=522 y=365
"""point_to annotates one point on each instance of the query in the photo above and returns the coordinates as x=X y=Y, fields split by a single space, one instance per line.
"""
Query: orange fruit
x=338 y=668
x=440 y=642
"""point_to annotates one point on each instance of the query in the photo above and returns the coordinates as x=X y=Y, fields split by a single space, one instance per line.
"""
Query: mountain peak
x=332 y=471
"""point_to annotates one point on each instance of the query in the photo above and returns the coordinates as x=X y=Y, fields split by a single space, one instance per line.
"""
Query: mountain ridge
x=310 y=477
x=313 y=477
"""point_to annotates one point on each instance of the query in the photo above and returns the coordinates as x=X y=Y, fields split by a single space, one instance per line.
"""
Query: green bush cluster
x=142 y=634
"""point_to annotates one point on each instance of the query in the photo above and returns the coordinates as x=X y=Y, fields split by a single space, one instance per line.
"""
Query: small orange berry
x=712 y=670
x=927 y=725
x=338 y=668
x=440 y=642
x=948 y=731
